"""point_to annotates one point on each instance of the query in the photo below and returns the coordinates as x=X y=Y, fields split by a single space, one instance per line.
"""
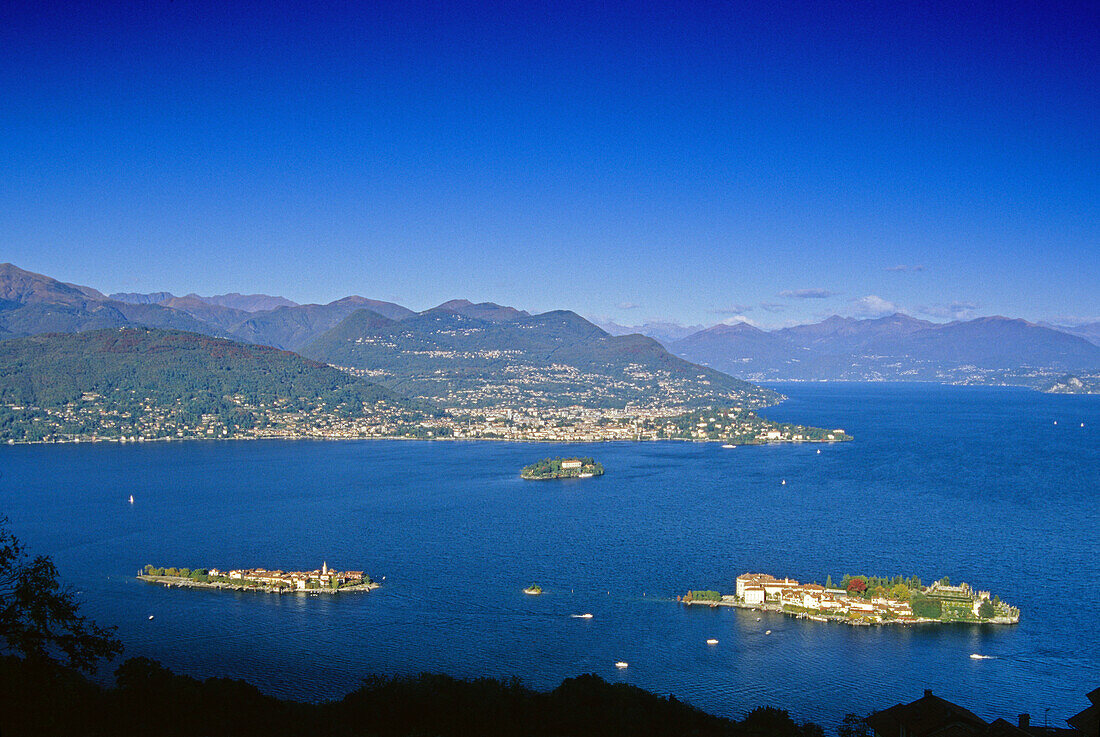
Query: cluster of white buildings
x=323 y=577
x=758 y=589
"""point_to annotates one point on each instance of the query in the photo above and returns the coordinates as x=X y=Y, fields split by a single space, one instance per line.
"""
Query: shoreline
x=178 y=582
x=328 y=438
x=858 y=622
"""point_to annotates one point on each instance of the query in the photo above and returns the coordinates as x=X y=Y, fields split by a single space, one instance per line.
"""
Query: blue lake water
x=976 y=483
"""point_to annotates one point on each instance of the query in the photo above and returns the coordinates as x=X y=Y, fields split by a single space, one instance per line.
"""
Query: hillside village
x=122 y=417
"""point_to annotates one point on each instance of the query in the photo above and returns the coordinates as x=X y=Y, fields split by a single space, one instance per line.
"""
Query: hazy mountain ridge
x=233 y=300
x=1088 y=331
x=895 y=347
x=33 y=303
x=663 y=332
x=137 y=298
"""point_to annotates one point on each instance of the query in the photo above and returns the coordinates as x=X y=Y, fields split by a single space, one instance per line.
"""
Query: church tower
x=324 y=568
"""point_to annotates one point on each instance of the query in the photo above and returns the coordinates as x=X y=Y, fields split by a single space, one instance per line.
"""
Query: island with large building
x=321 y=580
x=863 y=600
x=561 y=468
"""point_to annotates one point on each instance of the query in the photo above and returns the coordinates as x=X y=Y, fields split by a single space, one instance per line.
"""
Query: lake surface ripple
x=976 y=483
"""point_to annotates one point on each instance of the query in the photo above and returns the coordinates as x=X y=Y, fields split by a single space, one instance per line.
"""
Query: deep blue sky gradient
x=698 y=161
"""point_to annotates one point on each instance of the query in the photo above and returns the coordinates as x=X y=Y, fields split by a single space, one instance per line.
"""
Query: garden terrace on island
x=864 y=600
x=561 y=468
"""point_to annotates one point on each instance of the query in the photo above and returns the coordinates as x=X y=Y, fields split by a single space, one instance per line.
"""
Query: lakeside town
x=863 y=600
x=320 y=580
x=96 y=418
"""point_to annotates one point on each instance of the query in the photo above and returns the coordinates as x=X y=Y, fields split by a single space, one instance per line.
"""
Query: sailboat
x=131 y=498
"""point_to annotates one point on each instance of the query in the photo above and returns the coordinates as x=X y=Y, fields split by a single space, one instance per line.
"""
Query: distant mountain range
x=242 y=302
x=896 y=347
x=476 y=354
x=31 y=303
x=465 y=354
x=1088 y=331
x=663 y=332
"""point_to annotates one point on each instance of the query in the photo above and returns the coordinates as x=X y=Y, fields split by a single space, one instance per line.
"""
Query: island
x=737 y=426
x=323 y=580
x=561 y=468
x=863 y=600
x=1070 y=384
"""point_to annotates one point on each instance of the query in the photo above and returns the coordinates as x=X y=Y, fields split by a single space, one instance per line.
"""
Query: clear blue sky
x=694 y=162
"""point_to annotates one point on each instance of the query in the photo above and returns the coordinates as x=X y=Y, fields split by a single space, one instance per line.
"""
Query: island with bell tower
x=320 y=580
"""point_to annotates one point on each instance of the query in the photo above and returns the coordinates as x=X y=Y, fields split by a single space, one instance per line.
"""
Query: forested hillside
x=156 y=383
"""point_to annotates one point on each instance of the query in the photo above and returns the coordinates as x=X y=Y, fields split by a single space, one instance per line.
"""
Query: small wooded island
x=323 y=580
x=561 y=468
x=863 y=600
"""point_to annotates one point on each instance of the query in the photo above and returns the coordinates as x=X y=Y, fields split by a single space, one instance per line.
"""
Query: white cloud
x=873 y=306
x=959 y=310
x=734 y=309
x=807 y=294
x=628 y=305
x=906 y=267
x=739 y=319
x=772 y=306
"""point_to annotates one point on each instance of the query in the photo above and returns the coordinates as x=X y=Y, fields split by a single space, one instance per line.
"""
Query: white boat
x=783 y=482
x=150 y=616
x=819 y=451
x=767 y=632
x=622 y=664
x=712 y=641
x=131 y=498
x=729 y=445
x=584 y=475
x=975 y=656
x=586 y=615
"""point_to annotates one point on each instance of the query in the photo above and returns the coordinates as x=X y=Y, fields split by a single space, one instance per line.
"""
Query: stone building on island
x=324 y=577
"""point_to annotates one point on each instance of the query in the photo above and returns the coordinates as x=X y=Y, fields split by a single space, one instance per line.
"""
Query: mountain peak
x=490 y=311
x=733 y=328
x=247 y=302
x=20 y=285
